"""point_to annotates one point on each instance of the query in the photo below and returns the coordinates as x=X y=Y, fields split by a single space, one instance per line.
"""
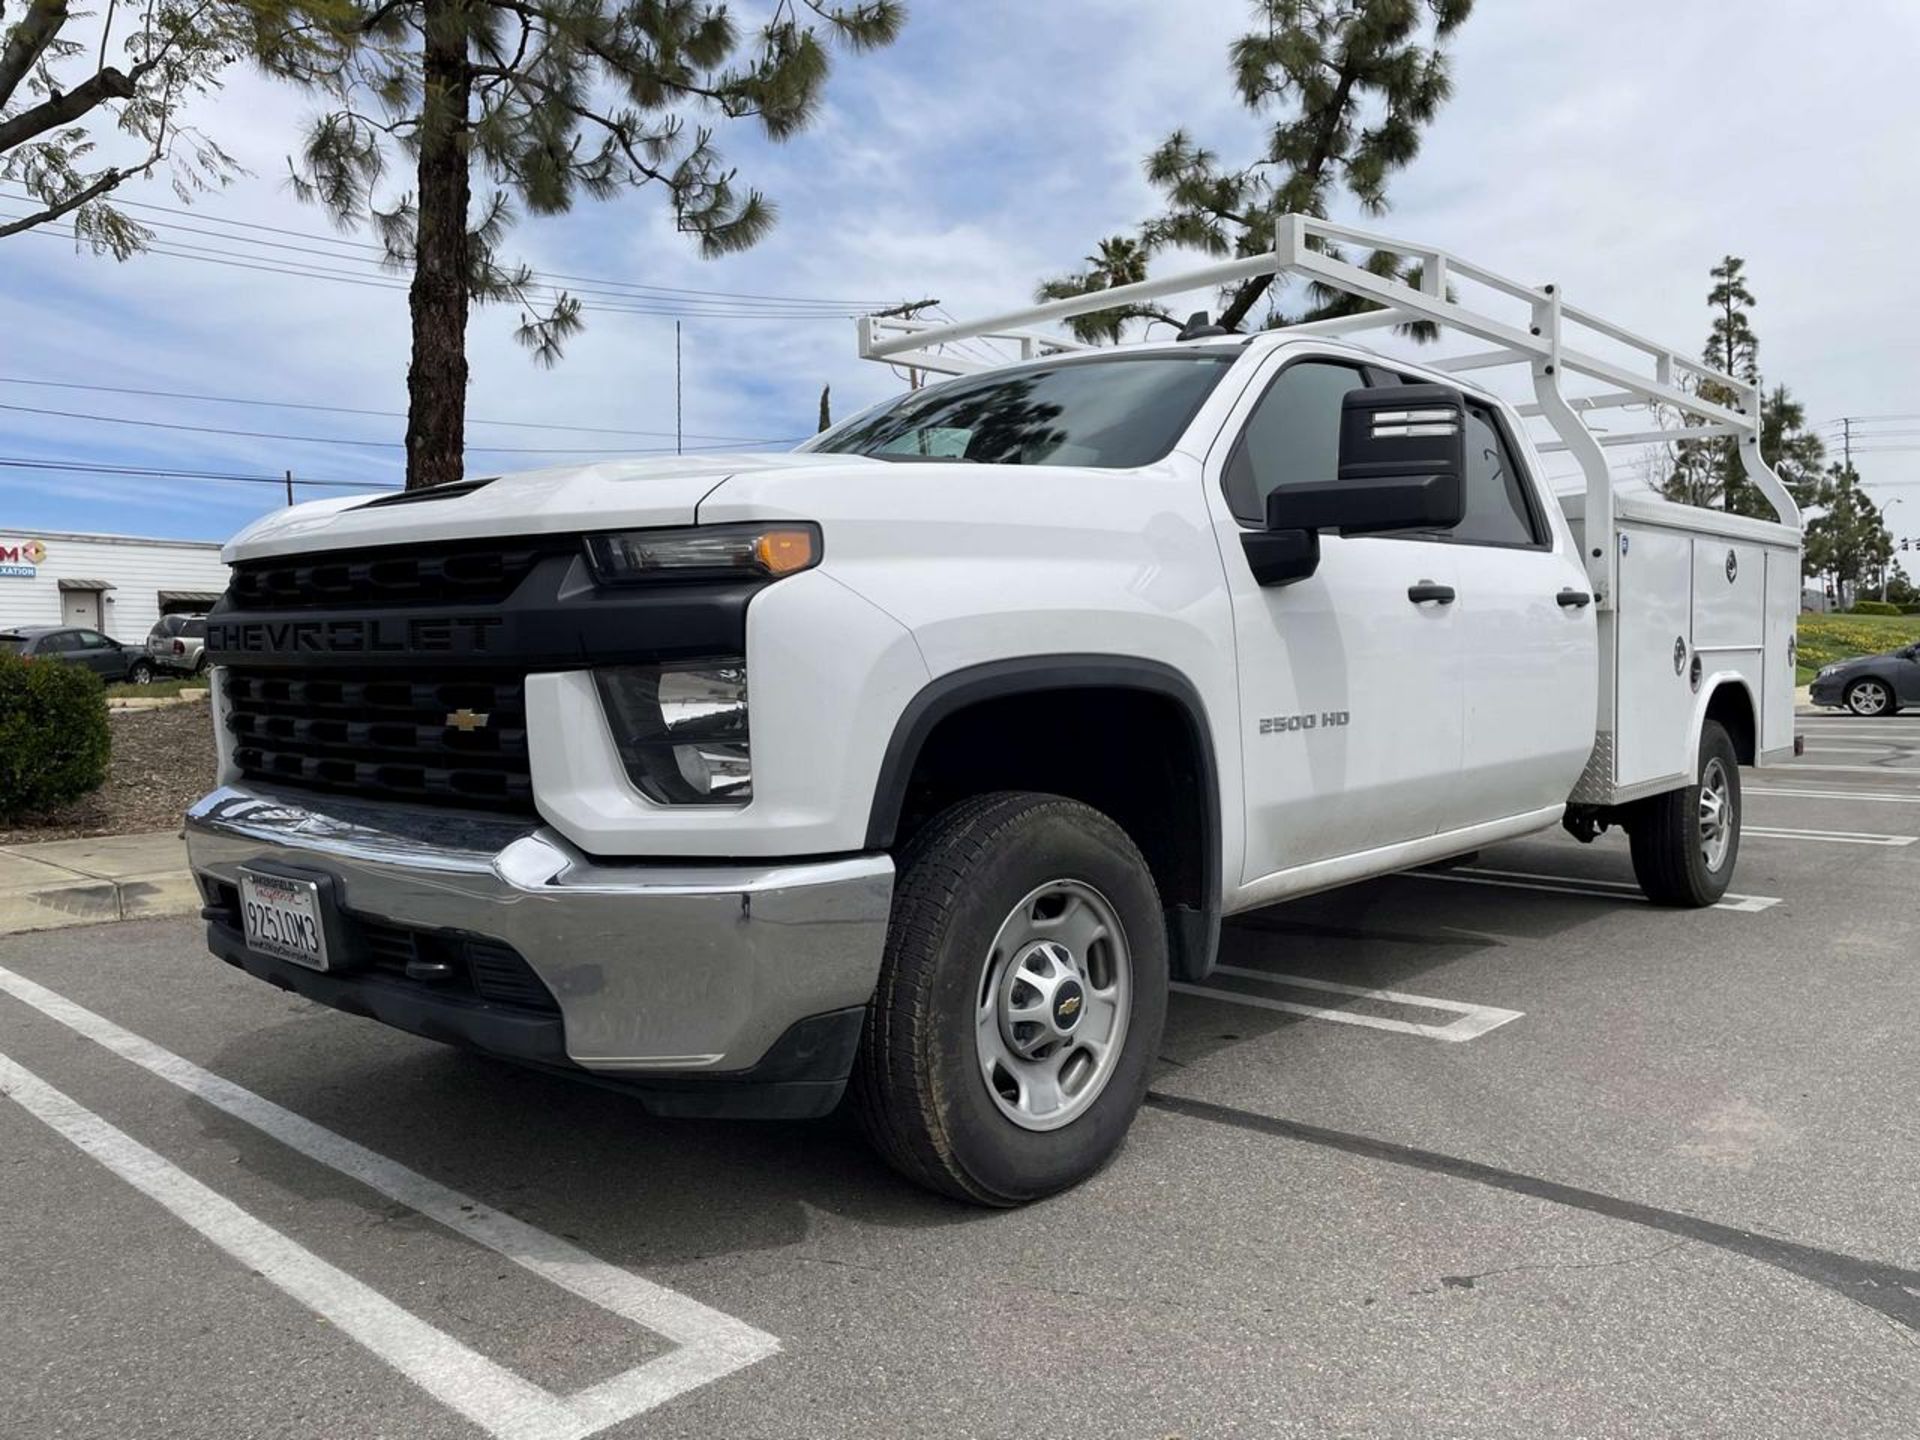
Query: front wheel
x=1870 y=697
x=1020 y=1001
x=141 y=672
x=1685 y=842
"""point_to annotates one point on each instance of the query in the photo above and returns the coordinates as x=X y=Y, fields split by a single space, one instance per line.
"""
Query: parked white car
x=924 y=758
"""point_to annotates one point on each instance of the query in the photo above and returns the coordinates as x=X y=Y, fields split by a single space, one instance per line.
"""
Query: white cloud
x=1619 y=150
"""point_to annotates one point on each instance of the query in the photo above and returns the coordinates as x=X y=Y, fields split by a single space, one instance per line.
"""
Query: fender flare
x=1193 y=935
x=1711 y=685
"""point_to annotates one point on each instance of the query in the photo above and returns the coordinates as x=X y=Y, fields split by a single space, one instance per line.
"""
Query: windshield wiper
x=907 y=457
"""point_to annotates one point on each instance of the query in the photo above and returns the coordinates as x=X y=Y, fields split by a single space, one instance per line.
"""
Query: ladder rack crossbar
x=1307 y=247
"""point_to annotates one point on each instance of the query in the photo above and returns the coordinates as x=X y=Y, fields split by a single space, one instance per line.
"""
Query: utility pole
x=678 y=448
x=906 y=311
x=1846 y=439
x=289 y=487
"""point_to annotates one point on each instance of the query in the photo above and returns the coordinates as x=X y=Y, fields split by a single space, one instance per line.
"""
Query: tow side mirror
x=1402 y=467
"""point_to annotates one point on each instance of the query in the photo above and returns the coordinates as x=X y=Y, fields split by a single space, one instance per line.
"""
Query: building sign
x=21 y=559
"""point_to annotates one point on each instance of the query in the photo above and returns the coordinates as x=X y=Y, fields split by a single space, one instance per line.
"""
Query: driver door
x=1351 y=685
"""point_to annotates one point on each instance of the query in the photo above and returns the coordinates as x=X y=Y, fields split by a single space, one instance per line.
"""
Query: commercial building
x=116 y=584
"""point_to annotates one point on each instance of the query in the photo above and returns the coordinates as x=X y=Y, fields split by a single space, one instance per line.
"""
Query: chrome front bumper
x=660 y=970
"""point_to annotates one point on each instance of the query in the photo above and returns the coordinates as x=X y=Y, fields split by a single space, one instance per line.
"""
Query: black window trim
x=1230 y=354
x=1376 y=374
x=1345 y=362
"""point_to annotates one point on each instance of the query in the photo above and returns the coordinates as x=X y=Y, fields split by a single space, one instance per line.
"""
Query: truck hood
x=562 y=499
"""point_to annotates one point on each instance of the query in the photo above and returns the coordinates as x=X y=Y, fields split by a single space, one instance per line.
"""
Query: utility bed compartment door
x=1729 y=595
x=1783 y=619
x=1653 y=703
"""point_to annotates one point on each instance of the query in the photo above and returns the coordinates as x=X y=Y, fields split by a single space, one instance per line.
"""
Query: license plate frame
x=290 y=916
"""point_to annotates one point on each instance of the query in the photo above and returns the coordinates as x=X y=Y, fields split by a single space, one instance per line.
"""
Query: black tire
x=140 y=672
x=918 y=1085
x=1888 y=705
x=200 y=665
x=1666 y=832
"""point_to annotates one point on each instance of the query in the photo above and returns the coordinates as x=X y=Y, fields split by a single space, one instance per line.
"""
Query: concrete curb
x=154 y=702
x=58 y=883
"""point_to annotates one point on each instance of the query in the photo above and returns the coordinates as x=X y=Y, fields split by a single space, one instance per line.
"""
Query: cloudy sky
x=1617 y=149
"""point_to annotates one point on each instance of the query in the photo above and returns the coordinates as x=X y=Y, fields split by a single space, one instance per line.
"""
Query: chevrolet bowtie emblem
x=467 y=721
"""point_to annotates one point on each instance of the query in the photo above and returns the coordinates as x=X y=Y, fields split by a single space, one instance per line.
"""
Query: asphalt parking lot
x=1502 y=1151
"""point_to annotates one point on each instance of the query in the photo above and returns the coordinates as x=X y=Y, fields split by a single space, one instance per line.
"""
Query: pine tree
x=544 y=101
x=1708 y=472
x=61 y=99
x=1353 y=82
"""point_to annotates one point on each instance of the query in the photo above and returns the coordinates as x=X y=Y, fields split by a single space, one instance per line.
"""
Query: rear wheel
x=1685 y=842
x=1870 y=697
x=1020 y=1003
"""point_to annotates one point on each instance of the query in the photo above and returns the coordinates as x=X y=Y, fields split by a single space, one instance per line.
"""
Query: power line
x=665 y=306
x=338 y=440
x=146 y=472
x=858 y=305
x=350 y=410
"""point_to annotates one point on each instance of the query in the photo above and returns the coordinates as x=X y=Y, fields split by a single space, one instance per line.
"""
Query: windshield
x=1112 y=414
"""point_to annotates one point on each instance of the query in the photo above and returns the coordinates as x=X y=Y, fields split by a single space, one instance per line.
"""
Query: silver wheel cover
x=1052 y=1005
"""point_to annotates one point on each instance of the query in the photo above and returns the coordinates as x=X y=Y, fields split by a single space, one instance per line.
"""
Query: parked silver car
x=176 y=645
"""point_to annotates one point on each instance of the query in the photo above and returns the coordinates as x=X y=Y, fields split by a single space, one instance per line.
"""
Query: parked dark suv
x=106 y=658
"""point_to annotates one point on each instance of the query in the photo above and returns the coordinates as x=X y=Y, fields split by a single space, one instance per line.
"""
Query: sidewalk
x=85 y=882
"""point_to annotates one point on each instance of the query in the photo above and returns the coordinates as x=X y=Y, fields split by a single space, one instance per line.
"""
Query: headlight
x=1826 y=670
x=704 y=552
x=682 y=729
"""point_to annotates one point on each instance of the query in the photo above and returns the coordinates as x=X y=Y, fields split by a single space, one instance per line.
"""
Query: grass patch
x=1825 y=639
x=157 y=690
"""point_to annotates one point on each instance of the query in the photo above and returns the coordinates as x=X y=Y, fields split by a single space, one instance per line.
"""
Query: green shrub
x=1873 y=607
x=54 y=740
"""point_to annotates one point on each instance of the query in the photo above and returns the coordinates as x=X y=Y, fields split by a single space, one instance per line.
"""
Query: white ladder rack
x=1654 y=377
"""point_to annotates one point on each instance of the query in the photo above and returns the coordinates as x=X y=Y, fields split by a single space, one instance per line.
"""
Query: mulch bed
x=163 y=761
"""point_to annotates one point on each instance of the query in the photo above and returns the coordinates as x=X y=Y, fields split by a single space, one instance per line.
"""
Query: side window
x=1498 y=511
x=61 y=642
x=1292 y=437
x=90 y=640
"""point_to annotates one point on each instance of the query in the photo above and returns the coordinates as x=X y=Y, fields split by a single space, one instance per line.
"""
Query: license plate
x=282 y=918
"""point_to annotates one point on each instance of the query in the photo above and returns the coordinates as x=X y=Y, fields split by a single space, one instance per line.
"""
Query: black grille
x=444 y=962
x=483 y=573
x=434 y=740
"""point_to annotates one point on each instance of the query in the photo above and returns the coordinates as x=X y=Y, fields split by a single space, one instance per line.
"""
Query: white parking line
x=1874 y=796
x=1474 y=1021
x=1862 y=747
x=495 y=1399
x=1798 y=767
x=709 y=1344
x=1828 y=837
x=1565 y=885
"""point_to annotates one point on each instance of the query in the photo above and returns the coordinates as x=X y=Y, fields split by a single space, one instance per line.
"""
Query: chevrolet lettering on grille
x=441 y=635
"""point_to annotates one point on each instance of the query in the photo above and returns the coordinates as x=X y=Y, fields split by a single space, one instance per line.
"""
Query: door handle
x=1426 y=590
x=1577 y=598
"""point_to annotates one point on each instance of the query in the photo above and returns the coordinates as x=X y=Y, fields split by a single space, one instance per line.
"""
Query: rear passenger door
x=1525 y=624
x=100 y=655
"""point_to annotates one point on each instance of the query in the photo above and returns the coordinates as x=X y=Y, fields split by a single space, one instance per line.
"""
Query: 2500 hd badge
x=1324 y=720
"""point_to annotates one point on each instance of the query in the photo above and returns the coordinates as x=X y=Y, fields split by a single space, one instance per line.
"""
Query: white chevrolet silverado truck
x=919 y=763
